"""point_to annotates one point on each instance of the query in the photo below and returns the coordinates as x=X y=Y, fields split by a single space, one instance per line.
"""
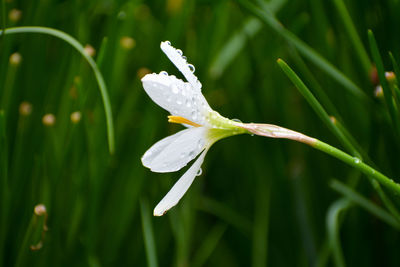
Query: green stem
x=269 y=19
x=99 y=77
x=367 y=204
x=387 y=92
x=358 y=164
x=353 y=36
x=333 y=225
x=274 y=131
x=338 y=129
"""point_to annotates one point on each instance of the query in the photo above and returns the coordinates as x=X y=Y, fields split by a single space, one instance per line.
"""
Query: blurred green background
x=259 y=201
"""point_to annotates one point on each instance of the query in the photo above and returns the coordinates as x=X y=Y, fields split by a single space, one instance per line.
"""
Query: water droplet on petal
x=185 y=58
x=168 y=42
x=200 y=144
x=179 y=102
x=164 y=73
x=199 y=172
x=194 y=114
x=179 y=52
x=237 y=120
x=174 y=89
x=188 y=104
x=183 y=154
x=191 y=67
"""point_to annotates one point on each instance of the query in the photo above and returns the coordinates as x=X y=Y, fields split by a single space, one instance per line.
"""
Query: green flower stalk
x=204 y=127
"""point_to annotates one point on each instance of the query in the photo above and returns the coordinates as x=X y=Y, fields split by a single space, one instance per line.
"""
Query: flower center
x=179 y=119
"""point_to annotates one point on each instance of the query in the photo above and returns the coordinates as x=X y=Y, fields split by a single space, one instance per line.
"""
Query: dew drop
x=194 y=114
x=200 y=144
x=175 y=89
x=188 y=104
x=191 y=67
x=179 y=102
x=164 y=73
x=168 y=99
x=199 y=172
x=357 y=160
x=168 y=42
x=185 y=58
x=237 y=120
x=179 y=52
x=183 y=154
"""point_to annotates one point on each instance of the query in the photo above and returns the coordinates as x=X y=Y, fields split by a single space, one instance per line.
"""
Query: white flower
x=187 y=106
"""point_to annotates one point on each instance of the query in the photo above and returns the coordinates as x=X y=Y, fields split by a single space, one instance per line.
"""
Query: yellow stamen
x=179 y=119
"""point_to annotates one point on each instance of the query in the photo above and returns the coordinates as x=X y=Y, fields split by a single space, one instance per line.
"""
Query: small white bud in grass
x=14 y=15
x=40 y=210
x=49 y=119
x=25 y=108
x=127 y=42
x=76 y=117
x=378 y=92
x=89 y=50
x=15 y=59
x=142 y=72
x=390 y=76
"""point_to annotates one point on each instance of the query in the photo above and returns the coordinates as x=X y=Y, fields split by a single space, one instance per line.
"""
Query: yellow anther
x=179 y=119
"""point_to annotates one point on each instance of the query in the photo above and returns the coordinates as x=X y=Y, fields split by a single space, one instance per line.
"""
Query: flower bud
x=378 y=91
x=15 y=59
x=49 y=119
x=127 y=42
x=76 y=117
x=390 y=76
x=14 y=15
x=40 y=210
x=25 y=108
x=89 y=50
x=142 y=72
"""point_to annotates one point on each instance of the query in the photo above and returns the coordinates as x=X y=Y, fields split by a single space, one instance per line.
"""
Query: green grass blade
x=227 y=214
x=233 y=47
x=353 y=36
x=314 y=84
x=147 y=228
x=333 y=227
x=317 y=107
x=238 y=41
x=208 y=245
x=337 y=129
x=4 y=197
x=304 y=49
x=99 y=77
x=387 y=92
x=364 y=203
x=396 y=69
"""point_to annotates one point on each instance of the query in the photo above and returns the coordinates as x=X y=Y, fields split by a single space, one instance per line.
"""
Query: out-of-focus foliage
x=258 y=202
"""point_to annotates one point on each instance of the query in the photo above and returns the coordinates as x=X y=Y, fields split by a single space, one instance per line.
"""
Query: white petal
x=158 y=147
x=181 y=63
x=179 y=189
x=177 y=97
x=174 y=152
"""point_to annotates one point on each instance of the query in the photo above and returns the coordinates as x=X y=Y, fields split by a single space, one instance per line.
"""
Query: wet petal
x=179 y=189
x=176 y=57
x=158 y=147
x=174 y=152
x=177 y=97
